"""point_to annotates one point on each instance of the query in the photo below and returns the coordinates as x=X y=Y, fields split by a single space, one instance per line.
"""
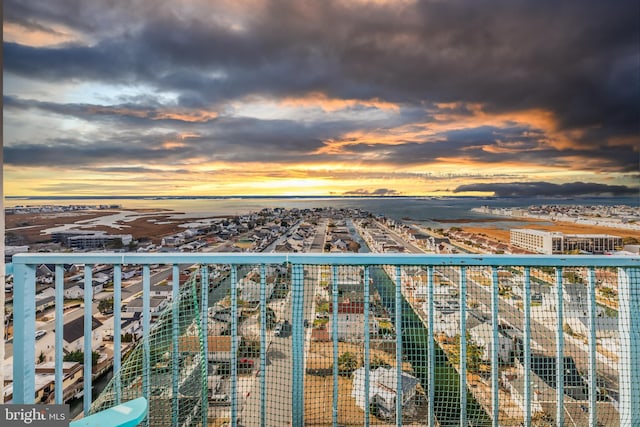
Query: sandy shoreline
x=502 y=235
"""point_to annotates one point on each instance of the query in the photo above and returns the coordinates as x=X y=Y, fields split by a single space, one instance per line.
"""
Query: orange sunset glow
x=327 y=98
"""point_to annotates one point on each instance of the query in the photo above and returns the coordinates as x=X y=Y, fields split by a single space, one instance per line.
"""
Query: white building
x=547 y=242
x=351 y=321
x=382 y=390
x=482 y=335
x=575 y=301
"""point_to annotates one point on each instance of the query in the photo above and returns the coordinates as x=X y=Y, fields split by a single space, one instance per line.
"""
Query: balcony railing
x=277 y=339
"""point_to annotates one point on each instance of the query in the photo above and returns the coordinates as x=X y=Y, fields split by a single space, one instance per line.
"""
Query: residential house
x=75 y=289
x=606 y=327
x=72 y=385
x=161 y=291
x=250 y=290
x=156 y=305
x=482 y=335
x=383 y=386
x=351 y=320
x=73 y=333
x=576 y=301
x=43 y=302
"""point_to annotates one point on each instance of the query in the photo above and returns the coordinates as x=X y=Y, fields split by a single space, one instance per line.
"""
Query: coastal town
x=544 y=230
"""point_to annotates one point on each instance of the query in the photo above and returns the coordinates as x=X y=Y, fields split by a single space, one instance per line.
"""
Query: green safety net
x=170 y=402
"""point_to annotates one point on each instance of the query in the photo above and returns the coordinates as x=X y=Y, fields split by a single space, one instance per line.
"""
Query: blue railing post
x=146 y=327
x=88 y=348
x=593 y=383
x=367 y=358
x=398 y=325
x=175 y=368
x=24 y=330
x=117 y=328
x=234 y=345
x=263 y=346
x=59 y=333
x=629 y=359
x=204 y=294
x=297 y=390
x=431 y=348
x=463 y=347
x=334 y=341
x=559 y=349
x=495 y=346
x=527 y=346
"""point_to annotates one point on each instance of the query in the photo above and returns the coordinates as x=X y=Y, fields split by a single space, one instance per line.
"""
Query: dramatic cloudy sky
x=395 y=97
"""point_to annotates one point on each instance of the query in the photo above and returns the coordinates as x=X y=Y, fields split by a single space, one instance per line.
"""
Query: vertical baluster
x=398 y=321
x=117 y=329
x=431 y=348
x=59 y=334
x=234 y=345
x=175 y=367
x=146 y=322
x=463 y=346
x=559 y=349
x=298 y=346
x=629 y=329
x=263 y=346
x=88 y=350
x=367 y=360
x=527 y=346
x=495 y=340
x=334 y=339
x=593 y=377
x=204 y=324
x=24 y=329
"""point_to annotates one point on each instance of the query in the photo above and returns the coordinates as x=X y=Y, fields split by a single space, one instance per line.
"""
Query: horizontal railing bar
x=337 y=259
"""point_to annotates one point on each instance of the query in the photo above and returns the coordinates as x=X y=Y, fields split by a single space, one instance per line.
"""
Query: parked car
x=283 y=329
x=219 y=399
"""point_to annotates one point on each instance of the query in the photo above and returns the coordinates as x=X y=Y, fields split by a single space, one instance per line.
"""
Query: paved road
x=279 y=358
x=47 y=342
x=540 y=333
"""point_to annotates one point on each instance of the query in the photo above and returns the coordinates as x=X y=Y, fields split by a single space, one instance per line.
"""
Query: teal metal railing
x=439 y=371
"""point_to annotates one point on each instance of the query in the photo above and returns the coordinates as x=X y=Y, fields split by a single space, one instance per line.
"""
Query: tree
x=378 y=362
x=347 y=363
x=474 y=354
x=78 y=356
x=105 y=306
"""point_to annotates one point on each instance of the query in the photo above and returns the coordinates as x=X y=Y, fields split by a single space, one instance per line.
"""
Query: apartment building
x=546 y=242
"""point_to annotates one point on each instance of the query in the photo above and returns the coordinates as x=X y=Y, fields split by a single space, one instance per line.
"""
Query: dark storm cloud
x=541 y=189
x=228 y=139
x=577 y=59
x=79 y=153
x=493 y=145
x=130 y=114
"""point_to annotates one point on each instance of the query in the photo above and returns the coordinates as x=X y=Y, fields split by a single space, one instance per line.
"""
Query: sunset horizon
x=338 y=98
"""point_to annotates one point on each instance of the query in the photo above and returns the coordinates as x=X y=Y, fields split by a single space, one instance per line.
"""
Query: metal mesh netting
x=350 y=345
x=170 y=402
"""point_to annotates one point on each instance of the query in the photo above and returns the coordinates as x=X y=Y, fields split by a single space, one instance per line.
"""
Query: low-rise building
x=383 y=384
x=547 y=242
